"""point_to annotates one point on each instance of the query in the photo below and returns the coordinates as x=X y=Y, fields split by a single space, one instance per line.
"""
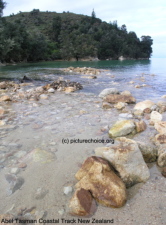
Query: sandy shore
x=32 y=144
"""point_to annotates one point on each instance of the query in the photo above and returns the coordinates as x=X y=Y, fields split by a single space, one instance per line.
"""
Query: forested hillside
x=35 y=35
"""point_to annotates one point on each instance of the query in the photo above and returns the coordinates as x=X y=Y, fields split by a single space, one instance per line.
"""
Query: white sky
x=144 y=17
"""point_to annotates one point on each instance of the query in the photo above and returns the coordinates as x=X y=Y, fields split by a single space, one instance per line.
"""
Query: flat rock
x=121 y=128
x=96 y=176
x=42 y=156
x=143 y=105
x=82 y=203
x=127 y=159
x=108 y=91
x=115 y=98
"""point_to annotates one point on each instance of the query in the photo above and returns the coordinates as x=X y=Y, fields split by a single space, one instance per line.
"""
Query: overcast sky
x=145 y=17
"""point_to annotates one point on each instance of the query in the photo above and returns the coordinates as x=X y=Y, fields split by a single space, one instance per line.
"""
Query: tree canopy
x=36 y=35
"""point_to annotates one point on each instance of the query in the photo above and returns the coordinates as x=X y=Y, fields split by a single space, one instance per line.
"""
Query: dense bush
x=47 y=35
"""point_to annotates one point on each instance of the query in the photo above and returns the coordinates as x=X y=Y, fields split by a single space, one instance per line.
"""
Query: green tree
x=2 y=6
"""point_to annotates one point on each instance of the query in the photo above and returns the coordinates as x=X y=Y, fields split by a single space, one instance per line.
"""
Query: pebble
x=41 y=193
x=67 y=190
x=61 y=211
x=22 y=165
x=51 y=90
x=14 y=170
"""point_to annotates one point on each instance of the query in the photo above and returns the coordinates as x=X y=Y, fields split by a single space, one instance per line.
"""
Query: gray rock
x=41 y=193
x=161 y=161
x=148 y=151
x=67 y=190
x=127 y=159
x=108 y=91
x=14 y=182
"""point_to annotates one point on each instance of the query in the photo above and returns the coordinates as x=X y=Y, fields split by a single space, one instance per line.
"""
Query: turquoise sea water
x=153 y=70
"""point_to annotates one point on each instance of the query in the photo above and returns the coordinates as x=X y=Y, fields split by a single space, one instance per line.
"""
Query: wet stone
x=40 y=193
x=15 y=183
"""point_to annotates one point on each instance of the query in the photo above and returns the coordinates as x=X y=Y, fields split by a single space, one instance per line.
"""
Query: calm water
x=154 y=72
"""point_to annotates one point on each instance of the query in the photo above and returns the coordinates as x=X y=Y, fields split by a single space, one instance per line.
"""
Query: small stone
x=67 y=190
x=126 y=93
x=43 y=96
x=14 y=171
x=131 y=82
x=22 y=165
x=137 y=86
x=106 y=105
x=41 y=193
x=61 y=212
x=140 y=126
x=5 y=98
x=108 y=91
x=70 y=89
x=147 y=110
x=39 y=89
x=51 y=90
x=2 y=123
x=120 y=105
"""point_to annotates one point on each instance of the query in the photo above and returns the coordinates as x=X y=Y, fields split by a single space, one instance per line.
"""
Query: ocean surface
x=153 y=72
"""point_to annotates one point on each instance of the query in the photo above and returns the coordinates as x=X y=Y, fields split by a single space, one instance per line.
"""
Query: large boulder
x=143 y=105
x=106 y=187
x=108 y=91
x=82 y=203
x=121 y=128
x=115 y=98
x=127 y=159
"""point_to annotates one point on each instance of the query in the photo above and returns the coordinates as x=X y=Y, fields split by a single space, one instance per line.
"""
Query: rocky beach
x=72 y=156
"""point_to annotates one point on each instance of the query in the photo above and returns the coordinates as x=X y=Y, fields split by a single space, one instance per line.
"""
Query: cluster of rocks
x=96 y=181
x=106 y=176
x=83 y=70
x=18 y=91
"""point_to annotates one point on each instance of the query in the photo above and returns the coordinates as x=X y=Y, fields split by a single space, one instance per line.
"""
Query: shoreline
x=47 y=165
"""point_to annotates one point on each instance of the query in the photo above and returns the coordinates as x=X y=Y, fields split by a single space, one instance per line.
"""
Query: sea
x=145 y=73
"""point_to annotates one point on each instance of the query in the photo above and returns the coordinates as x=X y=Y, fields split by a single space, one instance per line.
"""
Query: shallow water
x=35 y=130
